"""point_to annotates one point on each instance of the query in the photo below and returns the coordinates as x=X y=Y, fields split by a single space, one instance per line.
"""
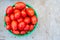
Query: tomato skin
x=7 y=19
x=20 y=19
x=21 y=26
x=34 y=19
x=20 y=5
x=23 y=13
x=23 y=32
x=14 y=25
x=31 y=27
x=8 y=27
x=9 y=10
x=30 y=11
x=27 y=20
x=16 y=10
x=26 y=28
x=12 y=17
x=15 y=31
x=17 y=15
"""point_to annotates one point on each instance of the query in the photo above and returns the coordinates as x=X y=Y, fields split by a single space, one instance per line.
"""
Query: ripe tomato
x=30 y=11
x=31 y=27
x=20 y=19
x=27 y=20
x=26 y=27
x=23 y=13
x=33 y=19
x=16 y=10
x=17 y=13
x=9 y=10
x=21 y=26
x=12 y=17
x=20 y=5
x=7 y=19
x=14 y=25
x=8 y=27
x=15 y=31
x=23 y=32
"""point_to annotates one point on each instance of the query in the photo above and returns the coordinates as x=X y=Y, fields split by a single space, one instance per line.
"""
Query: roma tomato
x=8 y=27
x=23 y=32
x=15 y=32
x=12 y=17
x=20 y=5
x=30 y=11
x=21 y=26
x=20 y=19
x=23 y=13
x=14 y=25
x=27 y=20
x=26 y=27
x=34 y=19
x=9 y=10
x=31 y=27
x=7 y=19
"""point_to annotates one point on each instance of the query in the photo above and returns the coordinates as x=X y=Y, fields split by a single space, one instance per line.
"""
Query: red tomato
x=23 y=13
x=33 y=19
x=9 y=10
x=30 y=11
x=26 y=27
x=14 y=25
x=23 y=32
x=7 y=19
x=21 y=26
x=12 y=17
x=15 y=31
x=31 y=27
x=8 y=27
x=20 y=5
x=20 y=19
x=16 y=10
x=17 y=15
x=27 y=20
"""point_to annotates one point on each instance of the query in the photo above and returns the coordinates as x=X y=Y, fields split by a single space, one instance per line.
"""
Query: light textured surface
x=48 y=20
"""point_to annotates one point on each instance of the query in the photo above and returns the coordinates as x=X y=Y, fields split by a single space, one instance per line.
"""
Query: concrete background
x=48 y=20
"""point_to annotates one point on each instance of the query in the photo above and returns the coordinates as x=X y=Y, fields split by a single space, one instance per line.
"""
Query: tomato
x=26 y=27
x=31 y=27
x=14 y=25
x=16 y=10
x=30 y=11
x=9 y=10
x=15 y=32
x=17 y=15
x=20 y=19
x=34 y=19
x=23 y=32
x=23 y=13
x=20 y=5
x=12 y=17
x=27 y=20
x=21 y=26
x=7 y=19
x=8 y=27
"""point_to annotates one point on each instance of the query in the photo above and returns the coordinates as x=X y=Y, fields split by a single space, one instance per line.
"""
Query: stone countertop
x=48 y=20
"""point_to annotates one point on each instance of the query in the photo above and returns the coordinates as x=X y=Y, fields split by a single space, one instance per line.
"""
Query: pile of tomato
x=19 y=18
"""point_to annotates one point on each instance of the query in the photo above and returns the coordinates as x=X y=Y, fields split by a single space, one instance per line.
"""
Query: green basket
x=28 y=33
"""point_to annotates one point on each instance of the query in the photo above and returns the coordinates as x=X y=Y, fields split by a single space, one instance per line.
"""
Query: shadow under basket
x=29 y=32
